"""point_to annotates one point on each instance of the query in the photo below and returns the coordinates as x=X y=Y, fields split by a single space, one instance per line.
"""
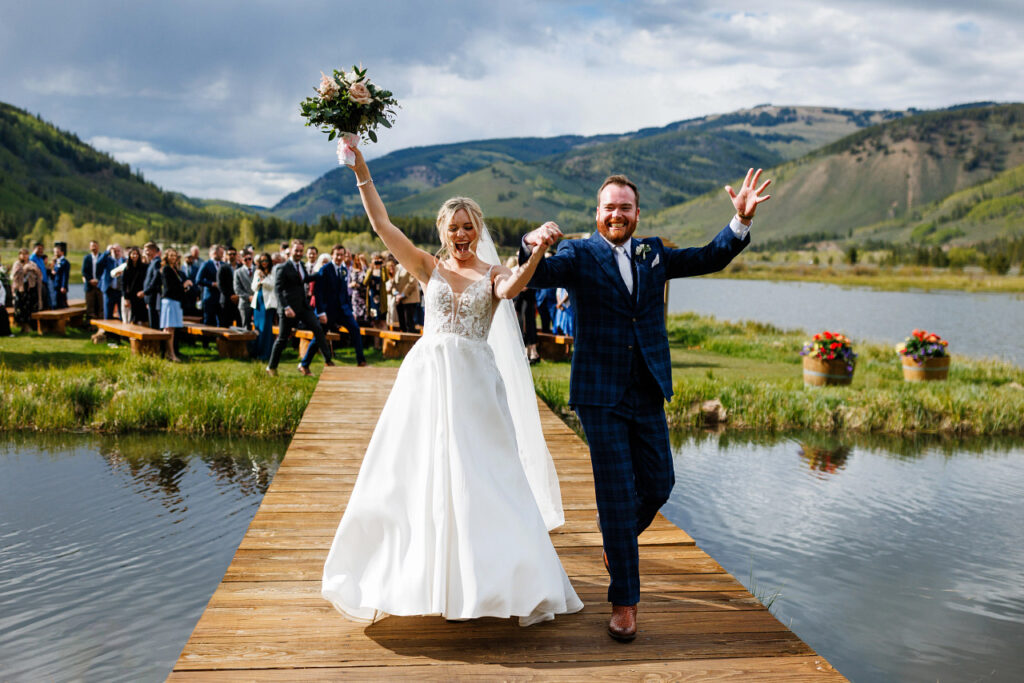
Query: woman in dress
x=450 y=512
x=264 y=305
x=375 y=282
x=357 y=290
x=134 y=306
x=5 y=296
x=565 y=320
x=27 y=283
x=172 y=293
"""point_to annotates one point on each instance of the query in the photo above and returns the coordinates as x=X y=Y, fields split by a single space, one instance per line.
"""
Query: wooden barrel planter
x=927 y=370
x=820 y=373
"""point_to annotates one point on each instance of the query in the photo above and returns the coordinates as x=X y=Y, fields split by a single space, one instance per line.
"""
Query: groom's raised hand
x=544 y=236
x=747 y=199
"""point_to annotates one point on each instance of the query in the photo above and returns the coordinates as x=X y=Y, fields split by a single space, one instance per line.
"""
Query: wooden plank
x=267 y=621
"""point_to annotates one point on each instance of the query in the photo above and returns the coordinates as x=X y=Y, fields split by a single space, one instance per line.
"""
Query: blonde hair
x=447 y=212
x=167 y=258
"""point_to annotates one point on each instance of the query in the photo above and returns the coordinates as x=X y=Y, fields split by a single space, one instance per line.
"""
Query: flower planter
x=819 y=373
x=927 y=370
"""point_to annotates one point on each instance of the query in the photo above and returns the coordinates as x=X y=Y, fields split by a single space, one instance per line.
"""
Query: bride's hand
x=545 y=235
x=359 y=158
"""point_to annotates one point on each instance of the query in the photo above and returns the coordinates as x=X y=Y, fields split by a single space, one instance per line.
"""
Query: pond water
x=897 y=560
x=975 y=324
x=110 y=547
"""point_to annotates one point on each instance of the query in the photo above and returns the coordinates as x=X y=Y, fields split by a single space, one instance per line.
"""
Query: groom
x=621 y=371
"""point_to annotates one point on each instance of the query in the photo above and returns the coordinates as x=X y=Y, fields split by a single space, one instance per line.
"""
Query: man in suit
x=290 y=282
x=152 y=284
x=226 y=286
x=331 y=291
x=91 y=273
x=110 y=284
x=243 y=289
x=621 y=371
x=190 y=304
x=208 y=281
x=61 y=275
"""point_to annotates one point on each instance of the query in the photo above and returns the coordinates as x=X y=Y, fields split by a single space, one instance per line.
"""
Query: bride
x=456 y=493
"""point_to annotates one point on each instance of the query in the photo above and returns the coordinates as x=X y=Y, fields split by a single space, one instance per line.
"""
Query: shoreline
x=903 y=279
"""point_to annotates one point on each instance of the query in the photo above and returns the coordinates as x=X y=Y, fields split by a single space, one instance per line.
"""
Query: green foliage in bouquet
x=348 y=102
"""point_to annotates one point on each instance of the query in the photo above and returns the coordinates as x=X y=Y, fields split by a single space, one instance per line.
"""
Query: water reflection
x=113 y=545
x=898 y=559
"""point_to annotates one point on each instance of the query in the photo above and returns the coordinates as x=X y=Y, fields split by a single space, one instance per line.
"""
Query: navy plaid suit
x=622 y=376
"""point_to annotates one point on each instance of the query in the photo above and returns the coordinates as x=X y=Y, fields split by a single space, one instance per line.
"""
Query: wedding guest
x=264 y=304
x=391 y=291
x=110 y=284
x=5 y=288
x=564 y=318
x=173 y=291
x=284 y=252
x=91 y=273
x=226 y=285
x=334 y=302
x=133 y=283
x=38 y=257
x=357 y=290
x=408 y=298
x=243 y=288
x=26 y=281
x=376 y=295
x=193 y=262
x=61 y=275
x=546 y=301
x=311 y=256
x=290 y=286
x=208 y=281
x=152 y=286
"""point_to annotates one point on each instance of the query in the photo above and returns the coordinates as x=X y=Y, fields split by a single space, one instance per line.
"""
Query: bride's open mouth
x=461 y=247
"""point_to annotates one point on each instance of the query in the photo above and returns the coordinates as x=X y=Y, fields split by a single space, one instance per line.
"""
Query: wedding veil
x=506 y=339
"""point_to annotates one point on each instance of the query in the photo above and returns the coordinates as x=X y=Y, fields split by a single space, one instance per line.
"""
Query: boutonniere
x=642 y=250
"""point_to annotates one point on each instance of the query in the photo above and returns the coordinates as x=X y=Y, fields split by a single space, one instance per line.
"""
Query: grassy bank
x=70 y=384
x=755 y=371
x=893 y=279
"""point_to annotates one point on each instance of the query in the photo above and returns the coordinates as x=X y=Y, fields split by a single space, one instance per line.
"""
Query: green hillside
x=554 y=178
x=909 y=179
x=45 y=171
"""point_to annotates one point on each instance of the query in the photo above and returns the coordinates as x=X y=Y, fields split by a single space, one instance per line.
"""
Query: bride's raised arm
x=415 y=260
x=508 y=283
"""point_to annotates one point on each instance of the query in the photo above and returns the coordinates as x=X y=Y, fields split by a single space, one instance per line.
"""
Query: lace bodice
x=467 y=313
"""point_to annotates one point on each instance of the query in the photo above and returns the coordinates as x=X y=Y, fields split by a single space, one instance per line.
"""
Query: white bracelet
x=364 y=182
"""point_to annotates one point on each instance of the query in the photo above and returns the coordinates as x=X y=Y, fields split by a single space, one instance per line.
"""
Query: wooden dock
x=267 y=621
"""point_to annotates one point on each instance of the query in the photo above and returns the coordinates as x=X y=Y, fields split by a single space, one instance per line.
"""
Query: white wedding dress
x=442 y=519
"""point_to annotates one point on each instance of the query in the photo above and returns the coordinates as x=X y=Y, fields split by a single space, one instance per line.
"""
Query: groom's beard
x=621 y=233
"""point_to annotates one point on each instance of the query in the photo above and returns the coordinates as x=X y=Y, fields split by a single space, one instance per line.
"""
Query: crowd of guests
x=239 y=288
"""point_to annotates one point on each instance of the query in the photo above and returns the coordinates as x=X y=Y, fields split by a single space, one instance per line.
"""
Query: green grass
x=755 y=371
x=71 y=384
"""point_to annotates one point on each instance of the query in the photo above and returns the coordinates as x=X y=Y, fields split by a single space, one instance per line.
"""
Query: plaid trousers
x=633 y=476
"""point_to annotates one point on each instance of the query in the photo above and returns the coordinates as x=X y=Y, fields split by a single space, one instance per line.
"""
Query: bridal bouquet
x=349 y=105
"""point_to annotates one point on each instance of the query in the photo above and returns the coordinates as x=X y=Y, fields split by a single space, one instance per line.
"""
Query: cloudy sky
x=203 y=95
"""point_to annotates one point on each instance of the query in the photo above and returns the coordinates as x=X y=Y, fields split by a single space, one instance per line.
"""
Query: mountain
x=555 y=178
x=936 y=176
x=45 y=171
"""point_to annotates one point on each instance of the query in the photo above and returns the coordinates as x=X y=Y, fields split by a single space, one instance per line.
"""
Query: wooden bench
x=56 y=320
x=144 y=340
x=306 y=338
x=554 y=346
x=231 y=343
x=396 y=344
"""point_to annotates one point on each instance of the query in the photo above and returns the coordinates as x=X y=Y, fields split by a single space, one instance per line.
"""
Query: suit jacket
x=40 y=262
x=107 y=262
x=226 y=284
x=243 y=286
x=331 y=293
x=407 y=285
x=87 y=268
x=290 y=288
x=611 y=324
x=61 y=274
x=152 y=286
x=208 y=276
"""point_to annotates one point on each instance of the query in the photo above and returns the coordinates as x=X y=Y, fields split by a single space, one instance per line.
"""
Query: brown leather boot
x=622 y=625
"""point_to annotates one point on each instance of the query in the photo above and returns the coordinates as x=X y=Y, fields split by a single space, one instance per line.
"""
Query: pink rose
x=328 y=88
x=359 y=93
